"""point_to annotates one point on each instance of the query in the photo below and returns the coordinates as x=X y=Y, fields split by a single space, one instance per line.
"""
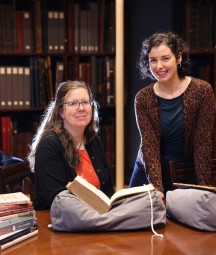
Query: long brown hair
x=52 y=121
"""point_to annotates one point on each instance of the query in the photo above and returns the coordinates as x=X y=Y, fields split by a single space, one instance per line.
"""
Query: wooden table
x=177 y=240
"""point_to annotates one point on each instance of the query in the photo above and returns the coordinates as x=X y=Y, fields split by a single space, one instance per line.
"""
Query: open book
x=97 y=199
x=194 y=186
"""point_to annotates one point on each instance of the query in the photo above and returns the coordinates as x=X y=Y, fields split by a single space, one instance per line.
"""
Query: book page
x=89 y=194
x=93 y=189
x=131 y=191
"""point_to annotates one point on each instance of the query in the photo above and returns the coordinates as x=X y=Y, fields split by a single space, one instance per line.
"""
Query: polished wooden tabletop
x=178 y=240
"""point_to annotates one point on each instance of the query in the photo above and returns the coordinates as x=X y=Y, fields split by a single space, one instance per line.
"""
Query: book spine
x=27 y=31
x=9 y=98
x=26 y=87
x=8 y=237
x=2 y=87
x=71 y=27
x=20 y=87
x=19 y=239
x=15 y=89
x=19 y=31
x=22 y=222
x=16 y=210
x=15 y=215
x=61 y=31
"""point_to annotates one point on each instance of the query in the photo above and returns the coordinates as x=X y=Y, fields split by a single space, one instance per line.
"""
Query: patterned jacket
x=199 y=111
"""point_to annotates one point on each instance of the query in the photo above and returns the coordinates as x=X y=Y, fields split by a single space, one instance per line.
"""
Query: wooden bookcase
x=45 y=42
x=195 y=21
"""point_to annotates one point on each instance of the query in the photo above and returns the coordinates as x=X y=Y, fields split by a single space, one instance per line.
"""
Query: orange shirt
x=86 y=169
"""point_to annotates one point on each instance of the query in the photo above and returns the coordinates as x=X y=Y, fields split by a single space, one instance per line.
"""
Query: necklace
x=80 y=144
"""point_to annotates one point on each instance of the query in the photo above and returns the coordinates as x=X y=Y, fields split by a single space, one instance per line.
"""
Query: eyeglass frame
x=81 y=102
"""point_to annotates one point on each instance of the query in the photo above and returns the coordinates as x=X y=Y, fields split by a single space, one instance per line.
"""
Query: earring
x=179 y=65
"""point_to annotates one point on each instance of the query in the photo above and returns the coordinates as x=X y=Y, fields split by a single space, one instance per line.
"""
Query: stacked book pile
x=17 y=219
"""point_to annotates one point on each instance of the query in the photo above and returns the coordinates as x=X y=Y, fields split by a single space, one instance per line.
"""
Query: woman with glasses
x=66 y=145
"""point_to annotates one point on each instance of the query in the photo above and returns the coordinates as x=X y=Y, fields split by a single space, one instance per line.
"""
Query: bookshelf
x=195 y=21
x=44 y=42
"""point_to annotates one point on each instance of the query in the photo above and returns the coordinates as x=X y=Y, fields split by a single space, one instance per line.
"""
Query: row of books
x=18 y=220
x=98 y=72
x=33 y=86
x=12 y=141
x=196 y=21
x=77 y=27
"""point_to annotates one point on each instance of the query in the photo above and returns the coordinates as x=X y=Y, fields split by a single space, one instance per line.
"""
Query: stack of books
x=17 y=219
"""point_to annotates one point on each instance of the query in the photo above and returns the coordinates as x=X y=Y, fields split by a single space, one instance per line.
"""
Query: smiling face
x=76 y=117
x=163 y=63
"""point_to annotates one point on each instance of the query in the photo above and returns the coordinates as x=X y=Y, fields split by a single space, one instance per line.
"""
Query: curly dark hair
x=52 y=121
x=174 y=42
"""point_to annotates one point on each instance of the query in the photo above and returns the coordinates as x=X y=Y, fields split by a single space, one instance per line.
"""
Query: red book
x=6 y=135
x=19 y=31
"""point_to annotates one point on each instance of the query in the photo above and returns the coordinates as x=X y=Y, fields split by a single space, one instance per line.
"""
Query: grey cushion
x=192 y=207
x=69 y=213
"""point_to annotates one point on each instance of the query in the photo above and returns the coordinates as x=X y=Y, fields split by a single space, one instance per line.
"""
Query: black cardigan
x=52 y=171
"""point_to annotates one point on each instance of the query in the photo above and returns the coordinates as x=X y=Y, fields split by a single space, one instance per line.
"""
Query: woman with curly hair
x=175 y=114
x=66 y=145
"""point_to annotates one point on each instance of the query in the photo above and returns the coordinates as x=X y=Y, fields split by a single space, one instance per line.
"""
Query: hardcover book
x=97 y=199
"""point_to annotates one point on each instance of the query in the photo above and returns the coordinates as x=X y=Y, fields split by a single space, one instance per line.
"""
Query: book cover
x=14 y=198
x=97 y=199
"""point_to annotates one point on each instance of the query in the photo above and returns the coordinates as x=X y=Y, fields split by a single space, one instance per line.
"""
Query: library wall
x=45 y=42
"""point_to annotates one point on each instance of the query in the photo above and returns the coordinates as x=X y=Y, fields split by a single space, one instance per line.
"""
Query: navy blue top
x=172 y=134
x=172 y=127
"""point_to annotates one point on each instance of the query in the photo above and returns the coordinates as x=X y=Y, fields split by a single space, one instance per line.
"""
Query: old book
x=97 y=199
x=19 y=31
x=3 y=87
x=9 y=88
x=26 y=88
x=71 y=27
x=14 y=198
x=27 y=31
x=194 y=186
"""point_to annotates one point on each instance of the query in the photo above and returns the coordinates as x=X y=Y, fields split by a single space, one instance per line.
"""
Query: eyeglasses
x=76 y=104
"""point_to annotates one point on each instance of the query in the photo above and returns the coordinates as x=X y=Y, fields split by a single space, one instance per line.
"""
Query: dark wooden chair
x=185 y=173
x=17 y=178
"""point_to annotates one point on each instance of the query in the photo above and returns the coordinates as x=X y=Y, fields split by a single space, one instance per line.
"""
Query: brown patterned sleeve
x=147 y=117
x=203 y=134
